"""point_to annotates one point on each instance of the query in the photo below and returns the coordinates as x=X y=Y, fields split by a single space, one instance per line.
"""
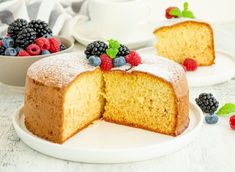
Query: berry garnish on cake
x=111 y=55
x=96 y=48
x=31 y=38
x=175 y=12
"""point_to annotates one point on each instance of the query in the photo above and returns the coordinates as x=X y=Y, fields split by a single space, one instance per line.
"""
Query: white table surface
x=212 y=150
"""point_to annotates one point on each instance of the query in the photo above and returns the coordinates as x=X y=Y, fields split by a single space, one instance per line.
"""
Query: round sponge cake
x=64 y=94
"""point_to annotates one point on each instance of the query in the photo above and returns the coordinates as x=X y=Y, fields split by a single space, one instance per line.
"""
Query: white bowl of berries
x=25 y=43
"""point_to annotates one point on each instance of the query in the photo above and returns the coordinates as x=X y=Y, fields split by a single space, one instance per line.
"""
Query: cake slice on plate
x=181 y=37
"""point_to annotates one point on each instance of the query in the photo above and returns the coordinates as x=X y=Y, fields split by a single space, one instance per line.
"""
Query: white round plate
x=223 y=70
x=104 y=142
x=142 y=36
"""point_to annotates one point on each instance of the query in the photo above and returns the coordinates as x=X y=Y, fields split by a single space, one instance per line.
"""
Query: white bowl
x=13 y=69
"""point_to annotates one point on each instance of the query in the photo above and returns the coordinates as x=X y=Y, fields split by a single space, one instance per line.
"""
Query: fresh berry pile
x=112 y=55
x=175 y=12
x=208 y=104
x=29 y=39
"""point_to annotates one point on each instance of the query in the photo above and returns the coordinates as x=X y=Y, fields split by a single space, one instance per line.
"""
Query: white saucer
x=223 y=70
x=16 y=89
x=142 y=36
x=104 y=142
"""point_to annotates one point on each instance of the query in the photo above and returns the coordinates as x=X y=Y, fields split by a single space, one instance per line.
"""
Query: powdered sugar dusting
x=59 y=70
x=161 y=67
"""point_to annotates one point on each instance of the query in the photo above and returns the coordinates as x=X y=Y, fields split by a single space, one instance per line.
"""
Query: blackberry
x=207 y=103
x=2 y=50
x=95 y=48
x=123 y=50
x=25 y=37
x=16 y=26
x=40 y=27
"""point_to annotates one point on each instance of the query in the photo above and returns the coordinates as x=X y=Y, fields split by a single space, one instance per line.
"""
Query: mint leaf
x=226 y=110
x=114 y=44
x=175 y=12
x=188 y=14
x=186 y=6
x=111 y=52
x=113 y=49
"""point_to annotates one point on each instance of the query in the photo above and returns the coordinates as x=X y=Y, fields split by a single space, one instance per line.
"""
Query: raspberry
x=54 y=45
x=33 y=49
x=168 y=15
x=23 y=53
x=1 y=43
x=133 y=58
x=43 y=43
x=232 y=122
x=190 y=64
x=106 y=62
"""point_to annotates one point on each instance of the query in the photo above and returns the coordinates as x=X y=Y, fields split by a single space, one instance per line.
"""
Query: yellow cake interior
x=133 y=99
x=145 y=102
x=83 y=102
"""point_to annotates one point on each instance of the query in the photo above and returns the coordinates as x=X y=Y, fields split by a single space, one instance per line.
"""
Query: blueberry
x=62 y=47
x=211 y=119
x=18 y=49
x=10 y=52
x=94 y=60
x=47 y=36
x=45 y=52
x=8 y=42
x=119 y=61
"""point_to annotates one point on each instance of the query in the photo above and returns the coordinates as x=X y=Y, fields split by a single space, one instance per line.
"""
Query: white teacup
x=117 y=18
